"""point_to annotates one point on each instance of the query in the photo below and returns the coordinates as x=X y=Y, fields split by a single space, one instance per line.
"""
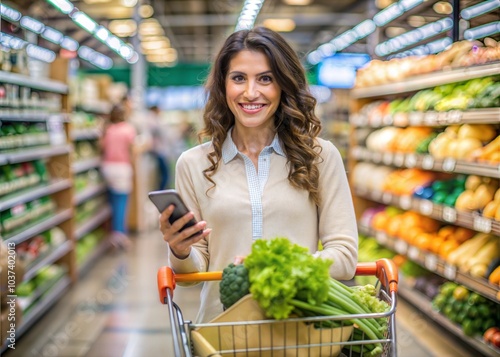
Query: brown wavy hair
x=295 y=121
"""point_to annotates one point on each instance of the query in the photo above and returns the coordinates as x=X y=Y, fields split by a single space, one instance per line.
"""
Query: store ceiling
x=197 y=27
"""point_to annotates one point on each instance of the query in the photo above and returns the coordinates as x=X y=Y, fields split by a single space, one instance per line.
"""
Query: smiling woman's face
x=252 y=93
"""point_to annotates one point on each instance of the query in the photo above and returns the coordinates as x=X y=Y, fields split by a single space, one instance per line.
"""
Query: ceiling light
x=479 y=9
x=394 y=31
x=52 y=35
x=146 y=11
x=85 y=21
x=482 y=31
x=416 y=21
x=297 y=2
x=442 y=7
x=129 y=3
x=151 y=45
x=280 y=25
x=9 y=13
x=64 y=6
x=40 y=53
x=123 y=28
x=32 y=24
x=410 y=4
x=364 y=28
x=113 y=42
x=102 y=33
x=69 y=44
x=388 y=14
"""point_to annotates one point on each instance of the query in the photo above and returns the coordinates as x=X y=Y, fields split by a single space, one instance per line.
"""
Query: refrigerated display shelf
x=32 y=193
x=471 y=220
x=431 y=118
x=85 y=134
x=427 y=81
x=30 y=116
x=434 y=263
x=422 y=303
x=94 y=222
x=33 y=153
x=55 y=293
x=47 y=258
x=44 y=84
x=87 y=164
x=89 y=192
x=426 y=162
x=40 y=227
x=89 y=261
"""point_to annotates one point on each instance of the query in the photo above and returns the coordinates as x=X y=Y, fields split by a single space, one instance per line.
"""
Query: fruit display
x=17 y=217
x=472 y=312
x=460 y=54
x=87 y=179
x=85 y=149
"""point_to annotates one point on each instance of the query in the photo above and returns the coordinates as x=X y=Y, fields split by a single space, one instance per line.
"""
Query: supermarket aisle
x=114 y=311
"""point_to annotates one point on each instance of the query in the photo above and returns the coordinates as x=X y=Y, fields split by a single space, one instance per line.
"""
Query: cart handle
x=384 y=269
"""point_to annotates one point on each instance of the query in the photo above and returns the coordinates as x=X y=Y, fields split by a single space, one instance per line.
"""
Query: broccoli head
x=234 y=284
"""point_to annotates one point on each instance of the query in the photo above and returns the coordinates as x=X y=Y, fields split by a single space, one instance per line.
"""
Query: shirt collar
x=229 y=149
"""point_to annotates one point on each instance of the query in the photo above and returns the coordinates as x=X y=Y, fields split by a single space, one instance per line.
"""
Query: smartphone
x=164 y=198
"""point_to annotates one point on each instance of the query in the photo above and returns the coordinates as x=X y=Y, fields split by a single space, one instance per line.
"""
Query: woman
x=265 y=173
x=117 y=170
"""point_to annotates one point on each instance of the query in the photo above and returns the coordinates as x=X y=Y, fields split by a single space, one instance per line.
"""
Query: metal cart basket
x=244 y=332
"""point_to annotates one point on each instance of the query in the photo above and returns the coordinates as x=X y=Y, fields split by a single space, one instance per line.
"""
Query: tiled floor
x=115 y=311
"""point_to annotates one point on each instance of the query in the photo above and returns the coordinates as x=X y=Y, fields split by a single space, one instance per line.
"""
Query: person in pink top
x=117 y=170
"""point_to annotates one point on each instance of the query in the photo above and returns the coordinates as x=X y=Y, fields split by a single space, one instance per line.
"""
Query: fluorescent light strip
x=248 y=14
x=482 y=31
x=69 y=44
x=9 y=13
x=95 y=58
x=85 y=22
x=479 y=9
x=32 y=24
x=40 y=53
x=64 y=6
x=52 y=35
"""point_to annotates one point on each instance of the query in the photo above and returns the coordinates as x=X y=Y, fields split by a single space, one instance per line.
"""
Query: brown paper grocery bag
x=254 y=339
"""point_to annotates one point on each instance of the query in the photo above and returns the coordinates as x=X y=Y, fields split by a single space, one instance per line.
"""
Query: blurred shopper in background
x=161 y=146
x=264 y=173
x=117 y=169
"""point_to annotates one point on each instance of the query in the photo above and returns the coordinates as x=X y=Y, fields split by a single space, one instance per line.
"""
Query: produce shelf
x=434 y=263
x=96 y=107
x=422 y=303
x=432 y=119
x=99 y=250
x=84 y=165
x=85 y=134
x=27 y=116
x=34 y=153
x=92 y=223
x=427 y=80
x=471 y=220
x=49 y=257
x=44 y=84
x=32 y=193
x=426 y=162
x=89 y=192
x=40 y=227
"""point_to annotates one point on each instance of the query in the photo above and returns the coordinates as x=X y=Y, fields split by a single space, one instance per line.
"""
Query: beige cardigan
x=287 y=211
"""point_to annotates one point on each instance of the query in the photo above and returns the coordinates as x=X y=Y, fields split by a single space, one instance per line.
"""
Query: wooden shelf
x=32 y=193
x=427 y=81
x=88 y=193
x=40 y=227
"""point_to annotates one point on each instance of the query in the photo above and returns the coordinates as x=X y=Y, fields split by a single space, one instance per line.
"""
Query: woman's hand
x=180 y=242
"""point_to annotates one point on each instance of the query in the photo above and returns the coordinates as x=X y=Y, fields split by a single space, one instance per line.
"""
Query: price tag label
x=387 y=197
x=482 y=224
x=426 y=207
x=413 y=252
x=387 y=158
x=381 y=237
x=377 y=157
x=450 y=271
x=449 y=164
x=454 y=116
x=401 y=246
x=405 y=202
x=416 y=118
x=411 y=160
x=449 y=214
x=399 y=159
x=428 y=162
x=431 y=262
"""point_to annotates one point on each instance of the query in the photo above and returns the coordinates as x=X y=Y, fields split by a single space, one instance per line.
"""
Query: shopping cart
x=250 y=334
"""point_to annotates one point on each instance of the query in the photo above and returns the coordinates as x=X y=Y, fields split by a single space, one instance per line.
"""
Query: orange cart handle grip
x=384 y=269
